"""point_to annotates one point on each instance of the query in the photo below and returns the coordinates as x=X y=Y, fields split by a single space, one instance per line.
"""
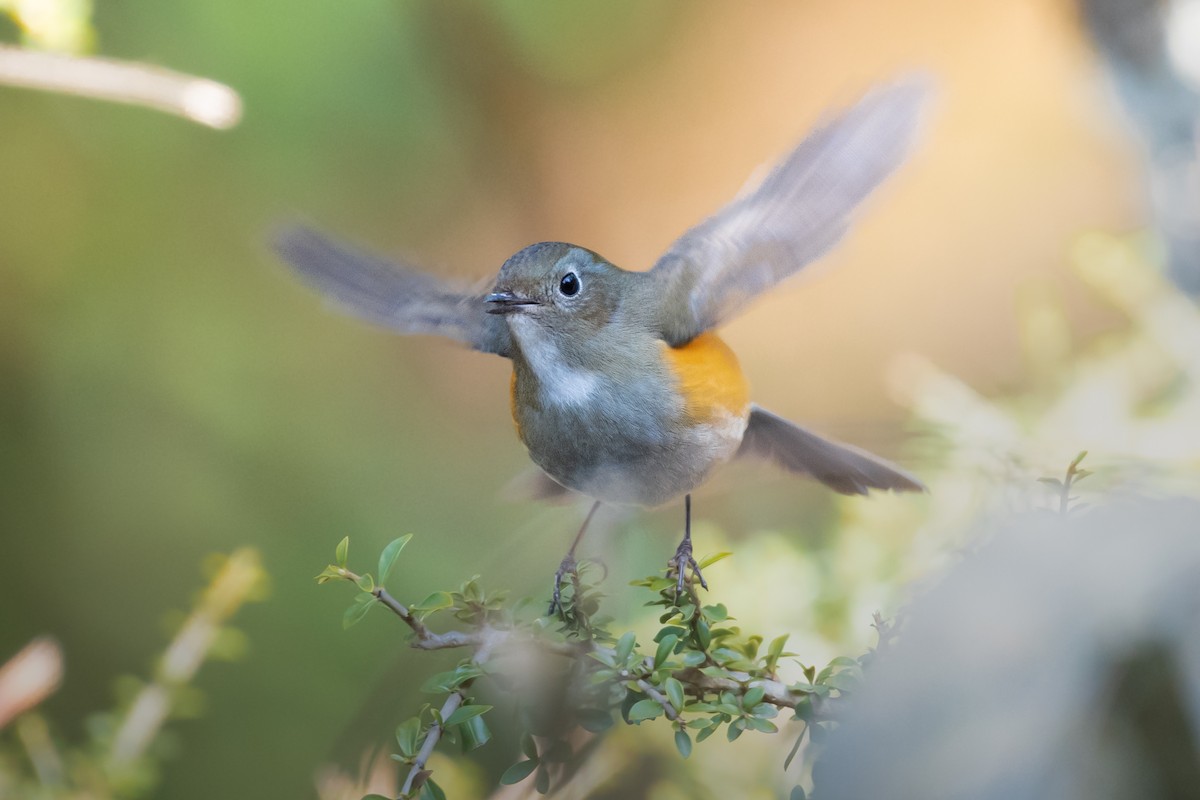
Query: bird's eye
x=569 y=285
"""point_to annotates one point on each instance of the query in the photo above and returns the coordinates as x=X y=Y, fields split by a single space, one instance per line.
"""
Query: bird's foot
x=568 y=567
x=681 y=563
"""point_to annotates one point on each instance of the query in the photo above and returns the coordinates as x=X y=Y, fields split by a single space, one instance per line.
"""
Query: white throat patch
x=560 y=383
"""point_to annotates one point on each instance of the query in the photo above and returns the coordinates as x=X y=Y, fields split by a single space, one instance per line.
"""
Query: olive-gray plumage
x=599 y=397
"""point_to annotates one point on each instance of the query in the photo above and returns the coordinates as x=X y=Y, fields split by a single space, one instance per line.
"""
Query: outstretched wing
x=392 y=295
x=842 y=468
x=794 y=216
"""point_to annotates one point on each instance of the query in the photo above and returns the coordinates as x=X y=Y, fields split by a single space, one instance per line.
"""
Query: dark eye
x=569 y=285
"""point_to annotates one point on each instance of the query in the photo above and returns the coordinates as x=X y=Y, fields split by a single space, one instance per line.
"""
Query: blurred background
x=167 y=390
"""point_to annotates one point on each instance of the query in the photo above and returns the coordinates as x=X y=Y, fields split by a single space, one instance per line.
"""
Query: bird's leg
x=569 y=565
x=683 y=559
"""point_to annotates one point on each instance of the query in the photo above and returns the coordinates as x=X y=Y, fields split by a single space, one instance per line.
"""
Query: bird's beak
x=506 y=302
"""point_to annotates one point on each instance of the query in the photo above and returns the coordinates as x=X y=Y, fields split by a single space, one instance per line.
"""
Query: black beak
x=506 y=302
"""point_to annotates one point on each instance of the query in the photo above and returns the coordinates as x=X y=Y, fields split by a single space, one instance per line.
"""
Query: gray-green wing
x=802 y=208
x=841 y=467
x=393 y=295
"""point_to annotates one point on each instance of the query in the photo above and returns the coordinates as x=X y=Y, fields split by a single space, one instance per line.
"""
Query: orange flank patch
x=710 y=378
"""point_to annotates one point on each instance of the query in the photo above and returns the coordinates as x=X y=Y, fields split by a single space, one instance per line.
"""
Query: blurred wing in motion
x=842 y=468
x=392 y=295
x=794 y=216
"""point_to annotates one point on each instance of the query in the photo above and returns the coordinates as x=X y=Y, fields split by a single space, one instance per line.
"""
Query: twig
x=456 y=699
x=197 y=99
x=657 y=696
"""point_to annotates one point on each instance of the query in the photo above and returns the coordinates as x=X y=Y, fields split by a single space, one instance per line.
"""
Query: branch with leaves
x=572 y=673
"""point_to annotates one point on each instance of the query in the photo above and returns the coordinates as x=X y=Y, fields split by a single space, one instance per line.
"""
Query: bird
x=622 y=390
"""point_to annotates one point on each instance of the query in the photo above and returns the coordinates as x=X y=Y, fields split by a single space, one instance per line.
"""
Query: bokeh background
x=167 y=390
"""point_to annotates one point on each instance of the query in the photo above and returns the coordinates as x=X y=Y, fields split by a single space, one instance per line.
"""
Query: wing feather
x=392 y=295
x=799 y=211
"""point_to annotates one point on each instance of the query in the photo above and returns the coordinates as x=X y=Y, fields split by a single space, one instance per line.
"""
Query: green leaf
x=408 y=737
x=475 y=733
x=694 y=658
x=434 y=602
x=764 y=725
x=440 y=682
x=787 y=762
x=529 y=747
x=797 y=793
x=518 y=771
x=753 y=696
x=342 y=552
x=683 y=743
x=464 y=713
x=717 y=613
x=431 y=791
x=845 y=681
x=542 y=781
x=1055 y=482
x=1082 y=455
x=734 y=731
x=595 y=720
x=330 y=573
x=387 y=559
x=775 y=648
x=354 y=614
x=664 y=648
x=708 y=561
x=625 y=646
x=703 y=635
x=645 y=709
x=674 y=690
x=366 y=583
x=707 y=732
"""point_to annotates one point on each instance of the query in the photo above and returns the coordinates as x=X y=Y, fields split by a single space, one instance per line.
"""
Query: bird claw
x=568 y=567
x=681 y=563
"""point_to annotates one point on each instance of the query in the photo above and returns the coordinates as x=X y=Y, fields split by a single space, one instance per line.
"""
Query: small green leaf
x=475 y=733
x=625 y=646
x=434 y=602
x=387 y=559
x=694 y=658
x=683 y=743
x=366 y=583
x=775 y=648
x=354 y=614
x=764 y=725
x=664 y=648
x=431 y=791
x=542 y=781
x=787 y=762
x=595 y=720
x=465 y=713
x=408 y=736
x=753 y=697
x=734 y=730
x=518 y=771
x=703 y=635
x=1082 y=455
x=440 y=682
x=1055 y=482
x=797 y=793
x=674 y=690
x=645 y=709
x=529 y=747
x=342 y=552
x=708 y=561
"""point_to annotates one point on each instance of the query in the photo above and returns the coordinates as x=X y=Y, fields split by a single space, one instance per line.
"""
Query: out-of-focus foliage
x=121 y=749
x=568 y=676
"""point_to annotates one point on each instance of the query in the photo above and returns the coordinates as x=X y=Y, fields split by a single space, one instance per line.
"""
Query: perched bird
x=621 y=390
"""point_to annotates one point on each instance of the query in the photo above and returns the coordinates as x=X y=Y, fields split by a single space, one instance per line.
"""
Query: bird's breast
x=644 y=437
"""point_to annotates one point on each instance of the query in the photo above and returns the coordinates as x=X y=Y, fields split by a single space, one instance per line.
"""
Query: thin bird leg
x=683 y=560
x=569 y=565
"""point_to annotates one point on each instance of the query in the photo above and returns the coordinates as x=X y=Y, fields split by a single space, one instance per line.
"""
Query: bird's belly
x=631 y=467
x=642 y=442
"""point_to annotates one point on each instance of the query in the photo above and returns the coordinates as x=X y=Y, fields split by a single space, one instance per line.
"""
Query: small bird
x=621 y=391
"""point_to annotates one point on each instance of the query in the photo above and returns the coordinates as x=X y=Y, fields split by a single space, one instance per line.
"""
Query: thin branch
x=657 y=696
x=197 y=99
x=456 y=699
